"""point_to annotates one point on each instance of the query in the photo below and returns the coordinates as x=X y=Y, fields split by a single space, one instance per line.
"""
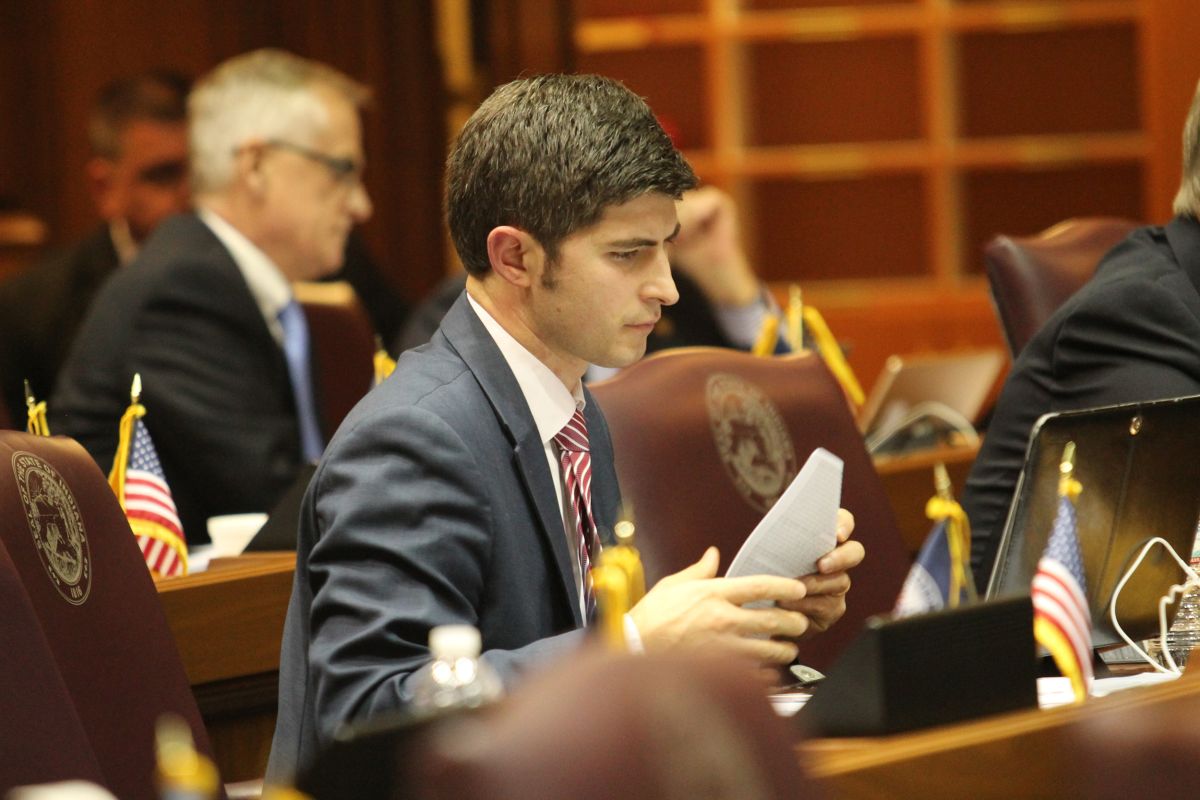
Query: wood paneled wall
x=55 y=54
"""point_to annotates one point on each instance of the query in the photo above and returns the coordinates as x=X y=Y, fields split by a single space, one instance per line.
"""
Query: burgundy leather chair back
x=1031 y=276
x=92 y=593
x=607 y=726
x=707 y=439
x=343 y=343
x=41 y=737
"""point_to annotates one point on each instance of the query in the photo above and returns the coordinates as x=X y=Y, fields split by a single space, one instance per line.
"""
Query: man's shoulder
x=88 y=261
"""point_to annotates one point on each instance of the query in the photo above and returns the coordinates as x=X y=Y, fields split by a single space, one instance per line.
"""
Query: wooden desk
x=228 y=622
x=1055 y=753
x=908 y=481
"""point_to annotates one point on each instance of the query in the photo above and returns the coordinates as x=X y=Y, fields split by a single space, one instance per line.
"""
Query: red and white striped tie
x=572 y=441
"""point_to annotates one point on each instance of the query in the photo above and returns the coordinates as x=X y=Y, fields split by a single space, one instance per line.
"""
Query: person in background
x=137 y=176
x=1132 y=333
x=477 y=484
x=205 y=313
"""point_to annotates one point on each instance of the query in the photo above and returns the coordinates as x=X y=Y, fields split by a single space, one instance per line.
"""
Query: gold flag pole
x=795 y=319
x=116 y=477
x=943 y=506
x=619 y=581
x=36 y=422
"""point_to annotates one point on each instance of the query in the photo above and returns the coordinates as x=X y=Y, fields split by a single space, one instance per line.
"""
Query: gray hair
x=1187 y=199
x=262 y=95
x=547 y=155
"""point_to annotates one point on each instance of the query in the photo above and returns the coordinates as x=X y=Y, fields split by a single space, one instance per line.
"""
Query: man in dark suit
x=447 y=497
x=205 y=313
x=137 y=175
x=1132 y=333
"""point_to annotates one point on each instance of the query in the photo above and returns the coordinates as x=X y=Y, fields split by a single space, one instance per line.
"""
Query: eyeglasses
x=344 y=170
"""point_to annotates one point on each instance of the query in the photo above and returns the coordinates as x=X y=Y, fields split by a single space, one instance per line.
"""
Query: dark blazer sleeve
x=407 y=540
x=1126 y=340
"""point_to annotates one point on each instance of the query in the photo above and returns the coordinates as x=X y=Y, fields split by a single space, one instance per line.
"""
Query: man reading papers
x=476 y=484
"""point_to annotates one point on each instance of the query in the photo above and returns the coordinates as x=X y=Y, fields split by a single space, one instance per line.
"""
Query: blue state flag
x=927 y=587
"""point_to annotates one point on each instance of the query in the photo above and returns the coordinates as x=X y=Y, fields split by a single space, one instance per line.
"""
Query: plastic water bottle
x=457 y=677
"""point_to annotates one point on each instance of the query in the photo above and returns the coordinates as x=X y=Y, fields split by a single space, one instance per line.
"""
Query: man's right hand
x=695 y=609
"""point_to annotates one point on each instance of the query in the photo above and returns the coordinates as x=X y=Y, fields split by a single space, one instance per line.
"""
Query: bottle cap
x=448 y=642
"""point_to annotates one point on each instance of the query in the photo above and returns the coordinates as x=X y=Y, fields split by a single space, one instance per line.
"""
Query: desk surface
x=1026 y=754
x=228 y=620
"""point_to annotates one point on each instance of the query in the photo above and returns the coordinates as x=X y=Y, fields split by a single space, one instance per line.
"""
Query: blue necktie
x=295 y=349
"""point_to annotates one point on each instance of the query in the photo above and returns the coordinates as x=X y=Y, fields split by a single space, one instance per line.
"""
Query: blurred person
x=137 y=176
x=1131 y=334
x=205 y=313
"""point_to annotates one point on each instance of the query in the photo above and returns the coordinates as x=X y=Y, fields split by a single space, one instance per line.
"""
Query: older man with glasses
x=206 y=314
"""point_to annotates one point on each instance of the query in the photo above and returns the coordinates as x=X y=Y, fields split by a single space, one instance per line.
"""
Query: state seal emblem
x=751 y=439
x=56 y=526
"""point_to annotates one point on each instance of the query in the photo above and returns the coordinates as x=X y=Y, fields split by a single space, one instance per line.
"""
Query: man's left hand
x=825 y=602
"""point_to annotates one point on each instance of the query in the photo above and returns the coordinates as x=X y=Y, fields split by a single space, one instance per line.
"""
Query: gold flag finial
x=36 y=414
x=941 y=481
x=1067 y=485
x=135 y=391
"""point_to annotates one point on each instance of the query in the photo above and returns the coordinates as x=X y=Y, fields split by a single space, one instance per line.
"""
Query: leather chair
x=622 y=726
x=596 y=726
x=44 y=740
x=343 y=344
x=1031 y=276
x=677 y=417
x=89 y=587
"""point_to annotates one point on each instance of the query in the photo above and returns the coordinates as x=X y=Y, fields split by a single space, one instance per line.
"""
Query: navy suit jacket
x=1132 y=333
x=433 y=505
x=218 y=397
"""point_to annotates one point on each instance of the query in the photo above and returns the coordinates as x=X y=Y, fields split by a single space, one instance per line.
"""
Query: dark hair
x=160 y=95
x=547 y=155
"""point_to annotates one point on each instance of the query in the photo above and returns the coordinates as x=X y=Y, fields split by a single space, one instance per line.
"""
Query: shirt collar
x=122 y=240
x=268 y=286
x=550 y=403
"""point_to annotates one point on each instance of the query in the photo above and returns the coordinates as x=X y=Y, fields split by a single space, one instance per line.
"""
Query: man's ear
x=99 y=172
x=514 y=254
x=247 y=167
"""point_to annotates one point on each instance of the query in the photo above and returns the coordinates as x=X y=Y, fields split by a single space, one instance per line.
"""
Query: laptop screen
x=1136 y=465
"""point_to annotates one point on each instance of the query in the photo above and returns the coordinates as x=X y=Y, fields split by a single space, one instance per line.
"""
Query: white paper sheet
x=800 y=528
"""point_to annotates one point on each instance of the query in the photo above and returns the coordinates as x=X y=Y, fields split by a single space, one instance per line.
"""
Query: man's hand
x=708 y=248
x=825 y=600
x=695 y=609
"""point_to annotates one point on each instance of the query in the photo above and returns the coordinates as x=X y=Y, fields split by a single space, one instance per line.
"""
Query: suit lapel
x=474 y=344
x=235 y=301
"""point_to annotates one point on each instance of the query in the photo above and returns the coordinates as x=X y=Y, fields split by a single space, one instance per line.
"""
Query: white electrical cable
x=1175 y=591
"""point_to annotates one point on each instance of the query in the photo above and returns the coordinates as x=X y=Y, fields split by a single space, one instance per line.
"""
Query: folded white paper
x=800 y=528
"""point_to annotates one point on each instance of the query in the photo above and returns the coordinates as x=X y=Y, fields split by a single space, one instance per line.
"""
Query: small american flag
x=1062 y=621
x=151 y=509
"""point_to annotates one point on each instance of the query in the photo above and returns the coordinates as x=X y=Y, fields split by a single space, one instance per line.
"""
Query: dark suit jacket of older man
x=434 y=504
x=1131 y=334
x=215 y=383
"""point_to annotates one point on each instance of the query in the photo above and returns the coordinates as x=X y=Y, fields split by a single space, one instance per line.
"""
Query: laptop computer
x=1136 y=465
x=959 y=381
